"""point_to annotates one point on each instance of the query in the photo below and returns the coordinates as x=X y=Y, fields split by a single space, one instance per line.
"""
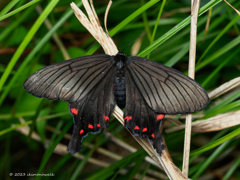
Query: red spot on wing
x=98 y=125
x=153 y=136
x=74 y=111
x=90 y=126
x=128 y=118
x=160 y=117
x=106 y=118
x=136 y=128
x=82 y=131
x=144 y=130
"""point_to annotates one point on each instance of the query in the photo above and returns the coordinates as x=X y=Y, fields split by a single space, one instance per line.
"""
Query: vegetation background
x=34 y=34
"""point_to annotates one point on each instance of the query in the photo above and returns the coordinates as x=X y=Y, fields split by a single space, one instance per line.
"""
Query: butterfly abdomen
x=119 y=90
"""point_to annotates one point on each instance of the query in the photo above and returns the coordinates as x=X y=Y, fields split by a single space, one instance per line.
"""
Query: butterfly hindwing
x=70 y=80
x=166 y=90
x=92 y=114
x=139 y=118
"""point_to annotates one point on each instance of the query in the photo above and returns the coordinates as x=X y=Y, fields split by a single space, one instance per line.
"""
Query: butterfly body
x=94 y=84
x=119 y=87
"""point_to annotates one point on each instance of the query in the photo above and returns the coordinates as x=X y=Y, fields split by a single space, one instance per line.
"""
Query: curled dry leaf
x=93 y=26
x=224 y=88
x=216 y=123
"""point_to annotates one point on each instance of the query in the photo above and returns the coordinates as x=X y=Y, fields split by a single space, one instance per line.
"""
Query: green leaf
x=33 y=52
x=80 y=166
x=219 y=53
x=27 y=39
x=211 y=76
x=219 y=36
x=210 y=159
x=135 y=169
x=216 y=143
x=109 y=171
x=51 y=148
x=30 y=122
x=11 y=27
x=8 y=7
x=41 y=125
x=18 y=10
x=177 y=28
x=232 y=169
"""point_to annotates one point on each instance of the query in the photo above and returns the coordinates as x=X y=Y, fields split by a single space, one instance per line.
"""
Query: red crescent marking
x=144 y=130
x=82 y=131
x=128 y=118
x=90 y=126
x=153 y=136
x=160 y=117
x=98 y=125
x=106 y=118
x=74 y=111
x=136 y=128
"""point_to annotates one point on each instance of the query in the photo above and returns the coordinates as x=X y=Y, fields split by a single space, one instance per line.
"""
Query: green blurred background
x=27 y=44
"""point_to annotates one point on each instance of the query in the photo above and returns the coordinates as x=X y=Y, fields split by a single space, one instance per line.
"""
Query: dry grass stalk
x=94 y=27
x=232 y=7
x=216 y=123
x=224 y=88
x=207 y=24
x=191 y=73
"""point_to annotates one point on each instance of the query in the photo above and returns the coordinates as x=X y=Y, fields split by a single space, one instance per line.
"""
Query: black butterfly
x=93 y=84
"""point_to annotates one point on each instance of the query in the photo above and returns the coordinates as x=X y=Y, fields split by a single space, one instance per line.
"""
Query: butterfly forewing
x=70 y=80
x=164 y=89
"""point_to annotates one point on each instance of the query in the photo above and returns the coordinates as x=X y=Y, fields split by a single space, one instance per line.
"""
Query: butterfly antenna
x=133 y=41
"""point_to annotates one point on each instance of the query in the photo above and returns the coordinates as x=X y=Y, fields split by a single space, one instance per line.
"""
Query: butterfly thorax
x=120 y=60
x=119 y=87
